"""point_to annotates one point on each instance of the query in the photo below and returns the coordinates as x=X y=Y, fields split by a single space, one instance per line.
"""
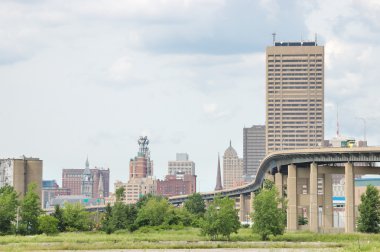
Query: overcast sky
x=88 y=77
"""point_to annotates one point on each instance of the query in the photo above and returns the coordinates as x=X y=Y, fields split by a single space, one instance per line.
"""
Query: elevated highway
x=293 y=169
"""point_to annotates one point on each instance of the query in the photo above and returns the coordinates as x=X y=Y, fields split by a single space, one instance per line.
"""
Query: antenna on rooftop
x=337 y=121
x=274 y=37
x=316 y=39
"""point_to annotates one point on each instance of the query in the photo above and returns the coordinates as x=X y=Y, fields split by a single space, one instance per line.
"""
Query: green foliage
x=58 y=214
x=220 y=219
x=48 y=224
x=8 y=208
x=76 y=218
x=145 y=198
x=123 y=216
x=195 y=204
x=120 y=194
x=153 y=212
x=369 y=209
x=30 y=210
x=268 y=184
x=178 y=216
x=267 y=218
x=107 y=225
x=302 y=220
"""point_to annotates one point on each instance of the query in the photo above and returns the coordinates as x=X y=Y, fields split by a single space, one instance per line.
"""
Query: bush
x=76 y=218
x=48 y=224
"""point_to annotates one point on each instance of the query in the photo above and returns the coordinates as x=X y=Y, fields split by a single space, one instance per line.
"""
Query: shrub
x=48 y=224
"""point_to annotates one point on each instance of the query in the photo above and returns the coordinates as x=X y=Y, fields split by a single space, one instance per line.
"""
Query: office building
x=232 y=168
x=182 y=165
x=20 y=172
x=253 y=150
x=177 y=185
x=51 y=190
x=294 y=96
x=136 y=188
x=73 y=180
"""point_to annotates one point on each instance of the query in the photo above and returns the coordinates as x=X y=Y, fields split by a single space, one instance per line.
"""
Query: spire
x=230 y=143
x=218 y=186
x=101 y=186
x=87 y=168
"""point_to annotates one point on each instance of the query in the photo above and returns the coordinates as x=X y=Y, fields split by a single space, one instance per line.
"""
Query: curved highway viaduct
x=304 y=178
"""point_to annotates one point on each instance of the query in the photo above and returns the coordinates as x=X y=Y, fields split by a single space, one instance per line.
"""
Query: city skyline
x=188 y=74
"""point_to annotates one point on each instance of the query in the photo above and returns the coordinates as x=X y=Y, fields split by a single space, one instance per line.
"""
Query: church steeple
x=218 y=186
x=87 y=181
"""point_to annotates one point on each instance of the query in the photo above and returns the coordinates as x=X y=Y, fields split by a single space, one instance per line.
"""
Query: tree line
x=220 y=218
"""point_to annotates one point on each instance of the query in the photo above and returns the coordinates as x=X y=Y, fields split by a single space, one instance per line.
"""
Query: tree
x=369 y=209
x=220 y=219
x=107 y=220
x=48 y=224
x=76 y=218
x=120 y=194
x=8 y=208
x=58 y=214
x=30 y=210
x=119 y=216
x=153 y=212
x=195 y=204
x=268 y=218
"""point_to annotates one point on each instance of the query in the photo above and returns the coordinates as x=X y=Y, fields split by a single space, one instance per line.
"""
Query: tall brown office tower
x=294 y=96
x=20 y=172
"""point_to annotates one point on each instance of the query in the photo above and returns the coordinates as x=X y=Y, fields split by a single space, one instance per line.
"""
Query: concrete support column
x=328 y=218
x=292 y=198
x=350 y=197
x=313 y=193
x=278 y=183
x=251 y=204
x=269 y=177
x=242 y=208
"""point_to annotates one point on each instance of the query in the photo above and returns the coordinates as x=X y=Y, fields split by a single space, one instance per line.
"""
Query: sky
x=85 y=78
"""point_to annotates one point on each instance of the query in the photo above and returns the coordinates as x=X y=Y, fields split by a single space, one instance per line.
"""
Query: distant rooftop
x=300 y=43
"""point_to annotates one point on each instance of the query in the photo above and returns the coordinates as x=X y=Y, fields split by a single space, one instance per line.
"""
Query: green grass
x=187 y=238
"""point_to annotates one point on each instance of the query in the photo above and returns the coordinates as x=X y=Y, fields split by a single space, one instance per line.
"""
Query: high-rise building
x=182 y=165
x=253 y=150
x=141 y=179
x=72 y=179
x=20 y=172
x=141 y=166
x=294 y=95
x=232 y=168
x=136 y=188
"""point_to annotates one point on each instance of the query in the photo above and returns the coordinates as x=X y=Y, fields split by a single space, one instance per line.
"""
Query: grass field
x=187 y=238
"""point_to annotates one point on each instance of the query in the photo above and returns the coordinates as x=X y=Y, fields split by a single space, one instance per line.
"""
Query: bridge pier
x=292 y=198
x=242 y=208
x=350 y=197
x=313 y=194
x=328 y=218
x=279 y=183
